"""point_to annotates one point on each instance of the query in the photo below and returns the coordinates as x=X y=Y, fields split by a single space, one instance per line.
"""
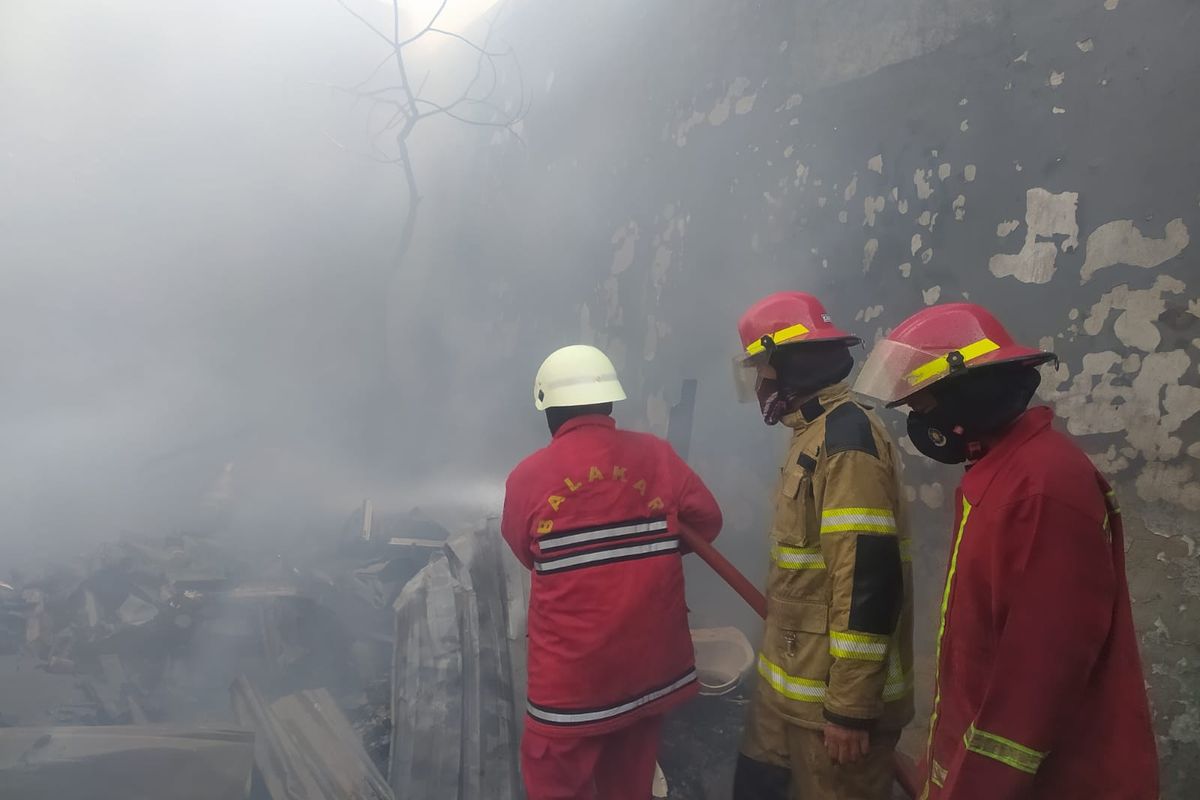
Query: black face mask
x=937 y=437
x=968 y=408
x=804 y=370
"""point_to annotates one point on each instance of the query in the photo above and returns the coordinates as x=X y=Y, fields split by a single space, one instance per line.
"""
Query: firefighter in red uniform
x=596 y=516
x=1039 y=690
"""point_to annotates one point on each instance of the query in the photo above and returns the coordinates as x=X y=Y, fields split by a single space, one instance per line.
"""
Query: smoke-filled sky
x=184 y=226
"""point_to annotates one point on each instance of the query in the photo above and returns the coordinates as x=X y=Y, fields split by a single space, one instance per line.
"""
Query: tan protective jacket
x=838 y=642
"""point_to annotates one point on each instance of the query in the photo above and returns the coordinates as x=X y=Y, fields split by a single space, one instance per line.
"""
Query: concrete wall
x=684 y=158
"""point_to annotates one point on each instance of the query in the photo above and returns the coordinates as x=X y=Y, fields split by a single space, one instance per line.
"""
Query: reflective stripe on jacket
x=838 y=641
x=1039 y=691
x=596 y=516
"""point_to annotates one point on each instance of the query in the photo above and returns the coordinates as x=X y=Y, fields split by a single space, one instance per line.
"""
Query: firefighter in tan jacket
x=835 y=669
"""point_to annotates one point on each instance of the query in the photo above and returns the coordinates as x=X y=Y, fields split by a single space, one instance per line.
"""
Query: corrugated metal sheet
x=305 y=748
x=454 y=703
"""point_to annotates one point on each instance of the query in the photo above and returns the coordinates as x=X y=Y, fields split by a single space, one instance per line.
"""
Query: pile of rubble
x=388 y=664
x=141 y=641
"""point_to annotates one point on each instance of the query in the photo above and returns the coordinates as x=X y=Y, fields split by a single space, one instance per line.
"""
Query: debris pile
x=386 y=664
x=136 y=645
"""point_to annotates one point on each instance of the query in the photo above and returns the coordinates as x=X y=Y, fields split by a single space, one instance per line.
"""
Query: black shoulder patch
x=849 y=429
x=807 y=461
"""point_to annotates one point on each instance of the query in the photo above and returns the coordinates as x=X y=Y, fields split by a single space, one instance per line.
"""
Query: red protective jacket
x=1039 y=689
x=595 y=516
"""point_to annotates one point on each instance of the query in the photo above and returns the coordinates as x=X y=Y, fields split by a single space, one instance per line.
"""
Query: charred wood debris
x=262 y=676
x=386 y=664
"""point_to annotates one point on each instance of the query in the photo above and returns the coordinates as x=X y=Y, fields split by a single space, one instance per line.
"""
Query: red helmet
x=935 y=343
x=787 y=318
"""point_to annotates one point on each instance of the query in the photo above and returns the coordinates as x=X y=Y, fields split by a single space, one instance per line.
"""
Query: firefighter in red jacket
x=596 y=517
x=1039 y=690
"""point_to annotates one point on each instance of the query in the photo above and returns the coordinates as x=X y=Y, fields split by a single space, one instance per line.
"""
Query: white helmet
x=579 y=375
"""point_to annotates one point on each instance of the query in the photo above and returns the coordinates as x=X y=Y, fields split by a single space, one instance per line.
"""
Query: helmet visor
x=895 y=371
x=746 y=378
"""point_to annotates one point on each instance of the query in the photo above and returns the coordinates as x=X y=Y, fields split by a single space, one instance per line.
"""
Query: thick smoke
x=184 y=232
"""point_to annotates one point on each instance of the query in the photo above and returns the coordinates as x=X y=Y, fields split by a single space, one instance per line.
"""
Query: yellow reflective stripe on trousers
x=937 y=679
x=1006 y=751
x=779 y=337
x=797 y=557
x=871 y=520
x=906 y=551
x=791 y=687
x=859 y=646
x=941 y=364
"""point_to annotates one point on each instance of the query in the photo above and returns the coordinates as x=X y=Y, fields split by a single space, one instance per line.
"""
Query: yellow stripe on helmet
x=787 y=334
x=941 y=364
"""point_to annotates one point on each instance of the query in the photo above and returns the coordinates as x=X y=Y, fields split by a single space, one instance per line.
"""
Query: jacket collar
x=980 y=474
x=588 y=420
x=812 y=409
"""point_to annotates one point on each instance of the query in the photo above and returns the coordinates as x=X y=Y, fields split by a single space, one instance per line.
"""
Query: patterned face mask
x=774 y=400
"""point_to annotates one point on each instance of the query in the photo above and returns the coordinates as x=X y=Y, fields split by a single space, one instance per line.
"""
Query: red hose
x=728 y=572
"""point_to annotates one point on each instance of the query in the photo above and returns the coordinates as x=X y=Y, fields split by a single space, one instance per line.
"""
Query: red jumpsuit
x=595 y=516
x=1039 y=690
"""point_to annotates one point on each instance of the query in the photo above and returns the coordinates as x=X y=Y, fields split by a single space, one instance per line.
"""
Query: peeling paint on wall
x=932 y=294
x=1085 y=45
x=960 y=207
x=851 y=188
x=801 y=174
x=871 y=207
x=685 y=127
x=1047 y=215
x=876 y=164
x=921 y=181
x=1007 y=227
x=916 y=243
x=1169 y=483
x=1149 y=411
x=944 y=171
x=969 y=173
x=1120 y=242
x=625 y=238
x=869 y=251
x=933 y=494
x=1056 y=79
x=1140 y=309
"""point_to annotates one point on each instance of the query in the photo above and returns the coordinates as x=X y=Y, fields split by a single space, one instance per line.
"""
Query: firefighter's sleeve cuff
x=855 y=723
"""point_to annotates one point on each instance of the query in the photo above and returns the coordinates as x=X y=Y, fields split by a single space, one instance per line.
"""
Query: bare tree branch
x=475 y=105
x=374 y=72
x=466 y=41
x=365 y=21
x=428 y=27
